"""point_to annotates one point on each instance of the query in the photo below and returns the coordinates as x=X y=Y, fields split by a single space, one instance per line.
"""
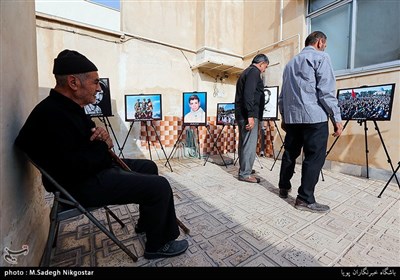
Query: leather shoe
x=312 y=207
x=170 y=249
x=250 y=179
x=284 y=193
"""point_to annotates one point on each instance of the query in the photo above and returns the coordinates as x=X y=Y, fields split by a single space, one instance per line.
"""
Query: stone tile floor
x=238 y=224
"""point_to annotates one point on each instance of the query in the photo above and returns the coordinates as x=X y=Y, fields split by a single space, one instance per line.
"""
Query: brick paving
x=238 y=224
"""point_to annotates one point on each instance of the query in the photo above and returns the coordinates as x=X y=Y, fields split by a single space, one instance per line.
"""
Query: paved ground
x=235 y=224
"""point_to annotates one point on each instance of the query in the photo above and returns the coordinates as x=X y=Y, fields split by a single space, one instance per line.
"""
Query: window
x=362 y=34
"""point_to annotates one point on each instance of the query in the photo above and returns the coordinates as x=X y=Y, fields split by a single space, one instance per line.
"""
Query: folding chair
x=65 y=206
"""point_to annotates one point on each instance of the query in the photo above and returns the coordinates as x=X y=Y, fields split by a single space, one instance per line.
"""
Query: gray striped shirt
x=308 y=89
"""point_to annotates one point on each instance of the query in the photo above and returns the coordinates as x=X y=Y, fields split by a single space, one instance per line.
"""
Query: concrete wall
x=23 y=215
x=82 y=11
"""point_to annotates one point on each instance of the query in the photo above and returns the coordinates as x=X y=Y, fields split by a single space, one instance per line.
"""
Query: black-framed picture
x=194 y=108
x=143 y=107
x=366 y=102
x=271 y=103
x=102 y=105
x=226 y=113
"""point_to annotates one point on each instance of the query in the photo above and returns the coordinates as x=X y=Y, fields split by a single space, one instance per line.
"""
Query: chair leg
x=108 y=211
x=45 y=260
x=182 y=226
x=108 y=233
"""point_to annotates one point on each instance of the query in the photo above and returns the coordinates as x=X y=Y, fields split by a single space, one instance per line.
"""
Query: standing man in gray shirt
x=306 y=102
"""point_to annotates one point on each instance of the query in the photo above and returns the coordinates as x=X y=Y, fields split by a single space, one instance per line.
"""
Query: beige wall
x=24 y=220
x=165 y=41
x=172 y=22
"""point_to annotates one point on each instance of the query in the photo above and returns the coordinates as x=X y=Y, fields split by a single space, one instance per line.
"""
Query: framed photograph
x=366 y=102
x=102 y=105
x=271 y=103
x=226 y=113
x=194 y=108
x=143 y=107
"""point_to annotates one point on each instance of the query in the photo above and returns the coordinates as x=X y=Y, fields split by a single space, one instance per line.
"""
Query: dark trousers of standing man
x=313 y=139
x=143 y=186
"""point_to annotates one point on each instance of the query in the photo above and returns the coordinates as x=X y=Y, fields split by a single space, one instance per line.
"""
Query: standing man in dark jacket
x=61 y=138
x=306 y=102
x=249 y=106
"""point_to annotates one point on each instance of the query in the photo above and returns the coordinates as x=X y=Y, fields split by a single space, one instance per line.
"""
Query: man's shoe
x=250 y=179
x=170 y=249
x=284 y=193
x=312 y=207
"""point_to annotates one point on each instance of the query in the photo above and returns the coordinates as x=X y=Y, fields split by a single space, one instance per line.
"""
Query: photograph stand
x=280 y=137
x=179 y=137
x=148 y=140
x=215 y=141
x=364 y=123
x=107 y=124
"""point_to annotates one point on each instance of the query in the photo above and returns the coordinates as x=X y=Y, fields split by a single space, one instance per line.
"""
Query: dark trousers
x=313 y=139
x=143 y=186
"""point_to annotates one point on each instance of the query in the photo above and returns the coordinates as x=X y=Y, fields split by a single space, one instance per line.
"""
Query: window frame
x=353 y=15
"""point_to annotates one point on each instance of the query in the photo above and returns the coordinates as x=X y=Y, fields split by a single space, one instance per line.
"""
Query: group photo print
x=367 y=102
x=143 y=107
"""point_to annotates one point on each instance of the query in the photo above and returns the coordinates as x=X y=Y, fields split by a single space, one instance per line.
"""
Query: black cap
x=72 y=62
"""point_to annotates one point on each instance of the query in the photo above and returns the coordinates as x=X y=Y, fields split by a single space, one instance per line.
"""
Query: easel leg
x=147 y=139
x=390 y=179
x=198 y=141
x=280 y=150
x=214 y=145
x=366 y=145
x=173 y=149
x=161 y=145
x=126 y=138
x=107 y=123
x=336 y=139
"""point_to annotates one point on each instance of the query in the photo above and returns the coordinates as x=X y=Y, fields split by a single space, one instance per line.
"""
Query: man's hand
x=338 y=126
x=101 y=134
x=250 y=124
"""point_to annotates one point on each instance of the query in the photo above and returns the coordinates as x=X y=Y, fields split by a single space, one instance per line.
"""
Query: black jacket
x=249 y=100
x=56 y=136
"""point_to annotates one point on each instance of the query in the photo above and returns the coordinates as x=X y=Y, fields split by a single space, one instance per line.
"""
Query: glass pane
x=336 y=25
x=378 y=32
x=317 y=4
